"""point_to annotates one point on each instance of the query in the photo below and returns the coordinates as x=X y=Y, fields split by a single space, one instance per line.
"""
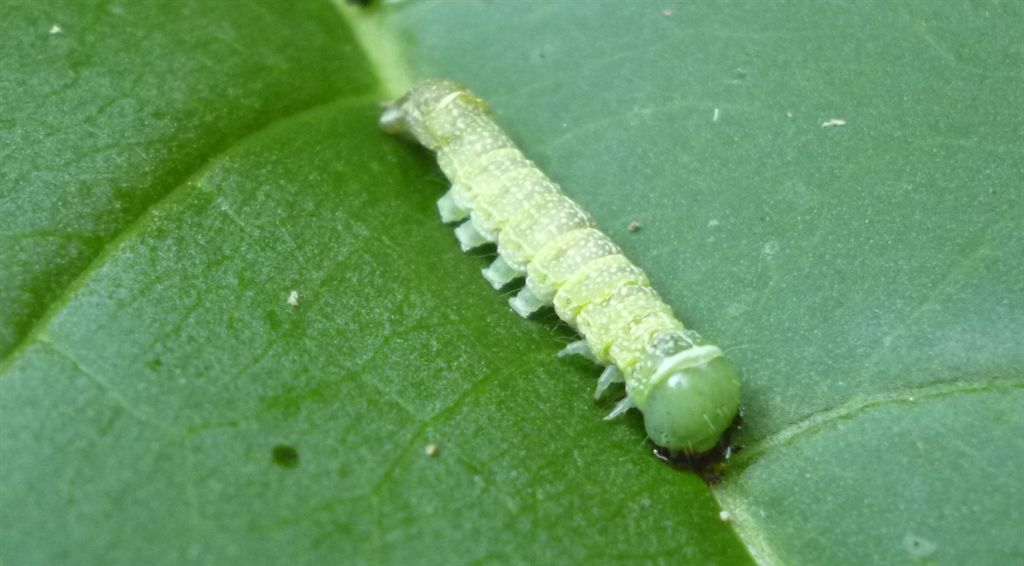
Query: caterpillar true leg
x=621 y=407
x=686 y=388
x=611 y=374
x=579 y=348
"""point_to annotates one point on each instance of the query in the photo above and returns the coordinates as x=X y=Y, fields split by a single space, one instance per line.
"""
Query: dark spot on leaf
x=155 y=363
x=286 y=456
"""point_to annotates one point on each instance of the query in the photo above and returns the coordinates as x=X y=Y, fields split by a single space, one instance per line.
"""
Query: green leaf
x=173 y=173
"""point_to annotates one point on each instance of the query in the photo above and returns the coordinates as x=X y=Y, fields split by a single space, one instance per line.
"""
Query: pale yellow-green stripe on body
x=556 y=262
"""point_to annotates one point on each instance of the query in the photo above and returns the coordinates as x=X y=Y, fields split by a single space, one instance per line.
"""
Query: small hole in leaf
x=286 y=456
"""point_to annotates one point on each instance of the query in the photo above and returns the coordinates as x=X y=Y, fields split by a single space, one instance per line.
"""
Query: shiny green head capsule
x=688 y=392
x=691 y=407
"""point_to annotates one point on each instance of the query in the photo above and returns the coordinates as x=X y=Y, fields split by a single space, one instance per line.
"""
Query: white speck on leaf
x=431 y=450
x=633 y=226
x=56 y=29
x=714 y=118
x=724 y=515
x=833 y=122
x=917 y=547
x=293 y=298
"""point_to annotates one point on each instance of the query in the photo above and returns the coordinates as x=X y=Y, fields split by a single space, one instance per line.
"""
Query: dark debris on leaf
x=708 y=465
x=285 y=456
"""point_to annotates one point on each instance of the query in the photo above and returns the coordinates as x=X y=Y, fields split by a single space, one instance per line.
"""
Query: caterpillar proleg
x=686 y=389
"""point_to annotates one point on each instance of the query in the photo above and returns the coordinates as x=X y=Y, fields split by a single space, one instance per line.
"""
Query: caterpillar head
x=433 y=112
x=691 y=395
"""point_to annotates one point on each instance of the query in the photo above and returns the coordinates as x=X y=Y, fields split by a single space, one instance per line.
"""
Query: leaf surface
x=173 y=174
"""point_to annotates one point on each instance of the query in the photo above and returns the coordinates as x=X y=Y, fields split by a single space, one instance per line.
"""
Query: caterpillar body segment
x=602 y=323
x=530 y=230
x=594 y=284
x=462 y=194
x=564 y=256
x=686 y=389
x=494 y=210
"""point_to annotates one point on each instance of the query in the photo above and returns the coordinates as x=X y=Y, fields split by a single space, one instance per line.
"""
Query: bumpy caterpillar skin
x=686 y=389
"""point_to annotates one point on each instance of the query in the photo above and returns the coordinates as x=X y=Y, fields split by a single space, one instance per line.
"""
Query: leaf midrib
x=825 y=417
x=189 y=180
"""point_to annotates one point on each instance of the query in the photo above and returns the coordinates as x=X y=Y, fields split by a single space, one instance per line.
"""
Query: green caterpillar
x=686 y=389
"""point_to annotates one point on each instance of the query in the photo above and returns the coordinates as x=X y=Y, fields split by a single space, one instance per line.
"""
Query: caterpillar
x=686 y=389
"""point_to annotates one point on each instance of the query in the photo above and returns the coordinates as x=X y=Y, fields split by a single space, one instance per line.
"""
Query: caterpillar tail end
x=392 y=120
x=525 y=303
